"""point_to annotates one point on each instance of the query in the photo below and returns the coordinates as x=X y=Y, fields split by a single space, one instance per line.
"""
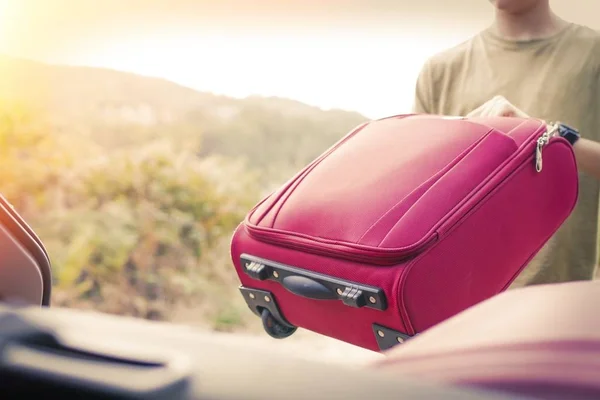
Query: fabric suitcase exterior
x=538 y=342
x=403 y=223
x=25 y=271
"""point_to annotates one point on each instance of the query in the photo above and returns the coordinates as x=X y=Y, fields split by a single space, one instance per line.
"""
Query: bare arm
x=587 y=154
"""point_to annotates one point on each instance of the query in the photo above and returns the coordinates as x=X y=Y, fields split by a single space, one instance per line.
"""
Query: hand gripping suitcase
x=403 y=223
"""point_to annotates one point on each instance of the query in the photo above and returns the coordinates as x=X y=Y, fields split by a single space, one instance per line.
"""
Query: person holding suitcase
x=531 y=62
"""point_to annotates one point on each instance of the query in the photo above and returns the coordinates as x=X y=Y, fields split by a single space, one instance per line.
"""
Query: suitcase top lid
x=383 y=191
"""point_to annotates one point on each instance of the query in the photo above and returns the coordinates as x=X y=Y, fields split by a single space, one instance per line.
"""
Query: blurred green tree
x=129 y=231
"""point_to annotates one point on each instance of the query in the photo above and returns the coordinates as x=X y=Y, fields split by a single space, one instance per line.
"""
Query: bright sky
x=360 y=55
x=371 y=74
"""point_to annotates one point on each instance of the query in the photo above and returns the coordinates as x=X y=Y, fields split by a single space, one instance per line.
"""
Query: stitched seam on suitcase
x=454 y=228
x=290 y=192
x=469 y=193
x=548 y=237
x=397 y=291
x=310 y=166
x=449 y=234
x=509 y=133
x=386 y=254
x=520 y=152
x=404 y=315
x=430 y=181
x=305 y=171
x=377 y=252
x=282 y=198
x=260 y=203
x=447 y=169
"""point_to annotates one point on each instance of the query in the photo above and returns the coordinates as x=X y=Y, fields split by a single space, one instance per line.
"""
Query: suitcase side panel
x=331 y=318
x=484 y=252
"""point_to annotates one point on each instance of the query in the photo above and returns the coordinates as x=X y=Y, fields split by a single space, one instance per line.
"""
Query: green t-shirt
x=555 y=78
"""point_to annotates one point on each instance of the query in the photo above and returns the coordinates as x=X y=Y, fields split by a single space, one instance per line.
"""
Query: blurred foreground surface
x=303 y=344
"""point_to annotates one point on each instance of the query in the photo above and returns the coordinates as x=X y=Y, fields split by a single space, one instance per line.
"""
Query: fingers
x=498 y=106
x=482 y=110
x=503 y=109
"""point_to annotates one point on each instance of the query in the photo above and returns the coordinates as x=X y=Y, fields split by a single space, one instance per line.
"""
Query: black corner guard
x=387 y=338
x=258 y=300
x=314 y=285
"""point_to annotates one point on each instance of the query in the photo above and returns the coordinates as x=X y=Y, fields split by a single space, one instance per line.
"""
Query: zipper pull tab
x=538 y=155
x=541 y=142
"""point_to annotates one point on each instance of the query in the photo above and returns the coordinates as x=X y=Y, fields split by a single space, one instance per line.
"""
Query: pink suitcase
x=539 y=342
x=403 y=223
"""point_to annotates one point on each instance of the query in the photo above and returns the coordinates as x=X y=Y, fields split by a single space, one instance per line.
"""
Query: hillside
x=135 y=184
x=115 y=110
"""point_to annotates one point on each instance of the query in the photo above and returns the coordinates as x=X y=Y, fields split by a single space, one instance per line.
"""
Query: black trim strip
x=314 y=285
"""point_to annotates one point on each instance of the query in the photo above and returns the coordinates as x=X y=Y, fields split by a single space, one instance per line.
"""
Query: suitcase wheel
x=275 y=328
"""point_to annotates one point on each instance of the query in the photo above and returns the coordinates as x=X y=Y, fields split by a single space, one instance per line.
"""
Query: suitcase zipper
x=543 y=141
x=375 y=256
x=358 y=253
